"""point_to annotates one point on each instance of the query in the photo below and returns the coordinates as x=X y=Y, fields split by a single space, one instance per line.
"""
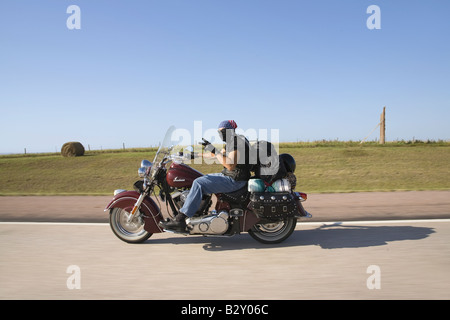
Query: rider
x=234 y=176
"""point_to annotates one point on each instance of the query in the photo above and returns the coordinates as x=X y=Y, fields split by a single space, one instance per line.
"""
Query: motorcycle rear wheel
x=275 y=232
x=131 y=232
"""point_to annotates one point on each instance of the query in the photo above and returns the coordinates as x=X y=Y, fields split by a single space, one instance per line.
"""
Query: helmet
x=289 y=162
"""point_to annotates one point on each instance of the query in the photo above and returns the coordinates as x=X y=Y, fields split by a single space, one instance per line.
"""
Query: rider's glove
x=208 y=146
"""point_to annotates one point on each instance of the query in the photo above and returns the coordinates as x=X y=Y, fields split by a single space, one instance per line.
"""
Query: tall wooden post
x=383 y=126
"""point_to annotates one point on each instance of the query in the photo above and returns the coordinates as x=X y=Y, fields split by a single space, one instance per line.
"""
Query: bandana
x=228 y=124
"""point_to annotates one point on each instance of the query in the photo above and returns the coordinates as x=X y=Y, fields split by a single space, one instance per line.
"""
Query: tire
x=272 y=233
x=132 y=232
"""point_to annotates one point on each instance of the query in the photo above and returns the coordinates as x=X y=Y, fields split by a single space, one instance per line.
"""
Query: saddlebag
x=273 y=205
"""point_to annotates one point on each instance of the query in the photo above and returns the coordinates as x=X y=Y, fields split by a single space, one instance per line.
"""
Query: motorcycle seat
x=237 y=196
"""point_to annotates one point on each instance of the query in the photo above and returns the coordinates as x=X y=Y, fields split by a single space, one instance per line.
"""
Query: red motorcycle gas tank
x=180 y=175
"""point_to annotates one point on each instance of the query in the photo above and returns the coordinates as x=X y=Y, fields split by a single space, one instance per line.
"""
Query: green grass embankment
x=321 y=167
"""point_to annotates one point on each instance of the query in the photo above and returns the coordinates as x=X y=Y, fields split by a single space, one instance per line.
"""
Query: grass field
x=321 y=167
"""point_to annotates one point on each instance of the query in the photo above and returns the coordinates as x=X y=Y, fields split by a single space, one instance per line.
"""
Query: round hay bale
x=72 y=149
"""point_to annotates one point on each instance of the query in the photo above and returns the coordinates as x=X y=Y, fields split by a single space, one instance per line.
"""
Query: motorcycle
x=269 y=217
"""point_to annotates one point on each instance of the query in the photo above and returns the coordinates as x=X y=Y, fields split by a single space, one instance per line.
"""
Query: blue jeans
x=208 y=184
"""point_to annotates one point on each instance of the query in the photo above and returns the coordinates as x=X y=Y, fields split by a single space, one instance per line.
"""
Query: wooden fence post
x=383 y=126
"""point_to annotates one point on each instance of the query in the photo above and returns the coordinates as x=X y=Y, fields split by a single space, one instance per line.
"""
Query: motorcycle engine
x=215 y=223
x=179 y=197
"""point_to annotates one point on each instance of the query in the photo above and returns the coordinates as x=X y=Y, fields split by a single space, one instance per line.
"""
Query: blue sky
x=311 y=69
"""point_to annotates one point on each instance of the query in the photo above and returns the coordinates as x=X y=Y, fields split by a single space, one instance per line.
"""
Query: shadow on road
x=333 y=236
x=346 y=236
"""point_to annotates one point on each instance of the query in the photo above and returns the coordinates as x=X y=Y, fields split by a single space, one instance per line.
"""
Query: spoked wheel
x=131 y=232
x=273 y=232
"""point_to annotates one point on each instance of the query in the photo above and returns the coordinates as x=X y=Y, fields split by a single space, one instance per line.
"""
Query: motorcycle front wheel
x=131 y=232
x=273 y=232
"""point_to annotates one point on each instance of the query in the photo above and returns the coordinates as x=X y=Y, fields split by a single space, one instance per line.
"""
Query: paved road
x=319 y=261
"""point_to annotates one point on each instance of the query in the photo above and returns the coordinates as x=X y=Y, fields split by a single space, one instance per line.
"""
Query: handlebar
x=184 y=156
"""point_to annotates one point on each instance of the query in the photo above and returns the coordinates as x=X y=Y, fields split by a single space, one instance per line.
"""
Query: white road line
x=57 y=223
x=298 y=223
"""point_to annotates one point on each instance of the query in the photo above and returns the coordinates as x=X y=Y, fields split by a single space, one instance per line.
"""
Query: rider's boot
x=177 y=224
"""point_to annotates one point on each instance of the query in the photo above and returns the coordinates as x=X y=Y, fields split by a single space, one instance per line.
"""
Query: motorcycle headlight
x=145 y=164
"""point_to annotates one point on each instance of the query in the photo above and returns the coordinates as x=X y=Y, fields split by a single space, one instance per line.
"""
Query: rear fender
x=151 y=213
x=248 y=220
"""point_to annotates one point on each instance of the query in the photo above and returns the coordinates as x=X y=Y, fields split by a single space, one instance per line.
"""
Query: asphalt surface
x=318 y=261
x=359 y=259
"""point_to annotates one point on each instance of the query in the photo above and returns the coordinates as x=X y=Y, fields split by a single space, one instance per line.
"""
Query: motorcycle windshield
x=164 y=147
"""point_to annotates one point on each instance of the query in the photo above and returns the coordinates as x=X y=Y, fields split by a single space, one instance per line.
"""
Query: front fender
x=151 y=213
